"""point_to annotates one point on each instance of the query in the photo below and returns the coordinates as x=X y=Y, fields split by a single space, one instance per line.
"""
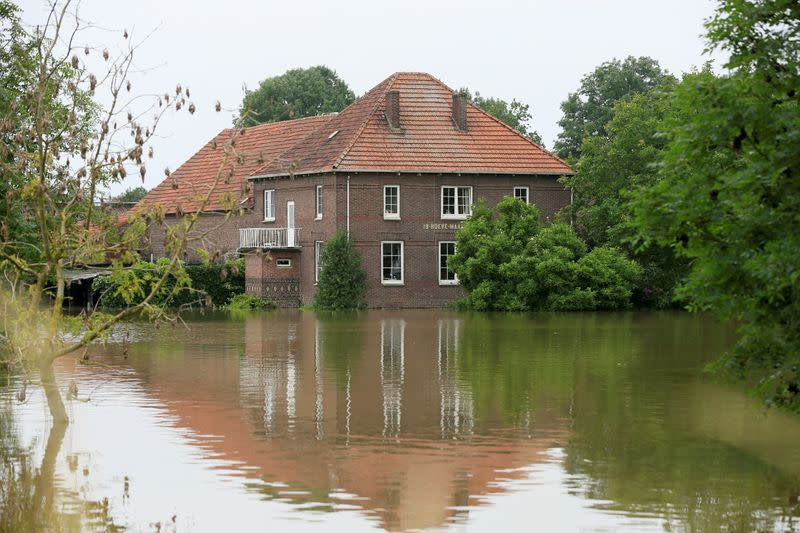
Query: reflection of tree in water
x=643 y=440
x=29 y=498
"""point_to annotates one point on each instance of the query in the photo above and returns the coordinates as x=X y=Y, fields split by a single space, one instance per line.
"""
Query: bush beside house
x=204 y=284
x=507 y=262
x=342 y=279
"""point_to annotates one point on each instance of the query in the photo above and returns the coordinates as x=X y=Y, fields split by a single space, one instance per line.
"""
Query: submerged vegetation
x=507 y=262
x=211 y=285
x=342 y=279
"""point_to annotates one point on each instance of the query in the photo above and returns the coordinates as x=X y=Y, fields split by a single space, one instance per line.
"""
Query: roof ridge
x=281 y=122
x=391 y=79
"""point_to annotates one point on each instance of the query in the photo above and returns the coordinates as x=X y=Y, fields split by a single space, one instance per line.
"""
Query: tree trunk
x=53 y=395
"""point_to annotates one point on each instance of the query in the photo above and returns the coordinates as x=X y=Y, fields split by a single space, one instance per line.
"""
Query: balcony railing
x=269 y=238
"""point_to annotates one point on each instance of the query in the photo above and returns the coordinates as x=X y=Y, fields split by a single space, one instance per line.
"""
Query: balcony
x=250 y=238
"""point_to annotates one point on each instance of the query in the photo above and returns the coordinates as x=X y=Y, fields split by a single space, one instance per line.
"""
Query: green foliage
x=729 y=197
x=514 y=114
x=249 y=302
x=131 y=194
x=297 y=93
x=613 y=165
x=342 y=279
x=587 y=111
x=506 y=262
x=205 y=284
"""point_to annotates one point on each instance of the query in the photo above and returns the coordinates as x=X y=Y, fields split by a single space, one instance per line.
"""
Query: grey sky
x=534 y=51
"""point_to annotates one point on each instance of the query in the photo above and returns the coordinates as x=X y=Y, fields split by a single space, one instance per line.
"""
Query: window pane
x=392 y=264
x=464 y=200
x=448 y=200
x=446 y=249
x=390 y=201
x=269 y=204
x=317 y=259
x=319 y=201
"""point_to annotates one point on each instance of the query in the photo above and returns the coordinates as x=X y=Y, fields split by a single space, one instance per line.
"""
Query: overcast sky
x=535 y=51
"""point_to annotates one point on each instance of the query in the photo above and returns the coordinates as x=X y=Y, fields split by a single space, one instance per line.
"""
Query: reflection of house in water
x=315 y=401
x=392 y=369
x=457 y=416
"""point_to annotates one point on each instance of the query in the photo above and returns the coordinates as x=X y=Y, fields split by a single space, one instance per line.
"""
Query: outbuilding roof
x=426 y=139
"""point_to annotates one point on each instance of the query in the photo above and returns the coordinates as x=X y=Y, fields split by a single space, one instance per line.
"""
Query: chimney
x=393 y=109
x=460 y=112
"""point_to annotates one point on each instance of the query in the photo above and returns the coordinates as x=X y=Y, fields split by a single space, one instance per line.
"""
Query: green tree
x=729 y=196
x=588 y=110
x=131 y=194
x=505 y=262
x=61 y=146
x=610 y=168
x=514 y=114
x=342 y=280
x=297 y=93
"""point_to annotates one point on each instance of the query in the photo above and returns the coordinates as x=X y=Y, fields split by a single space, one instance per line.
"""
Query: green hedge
x=208 y=284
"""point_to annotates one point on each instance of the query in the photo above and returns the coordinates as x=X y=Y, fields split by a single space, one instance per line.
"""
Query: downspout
x=348 y=207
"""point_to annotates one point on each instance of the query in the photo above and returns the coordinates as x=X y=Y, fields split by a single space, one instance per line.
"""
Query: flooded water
x=413 y=420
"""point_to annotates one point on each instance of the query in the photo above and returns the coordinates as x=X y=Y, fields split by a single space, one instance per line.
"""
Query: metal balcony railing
x=269 y=238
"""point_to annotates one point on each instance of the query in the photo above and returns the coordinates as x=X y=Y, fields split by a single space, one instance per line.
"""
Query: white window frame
x=527 y=193
x=439 y=264
x=318 y=203
x=317 y=259
x=269 y=207
x=467 y=208
x=391 y=216
x=287 y=263
x=400 y=281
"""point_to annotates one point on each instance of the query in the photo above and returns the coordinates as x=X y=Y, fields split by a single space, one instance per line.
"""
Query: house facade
x=399 y=170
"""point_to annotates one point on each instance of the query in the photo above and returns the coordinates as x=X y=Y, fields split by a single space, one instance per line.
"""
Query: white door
x=290 y=224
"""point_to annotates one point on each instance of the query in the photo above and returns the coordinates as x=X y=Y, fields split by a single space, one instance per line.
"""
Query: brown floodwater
x=401 y=421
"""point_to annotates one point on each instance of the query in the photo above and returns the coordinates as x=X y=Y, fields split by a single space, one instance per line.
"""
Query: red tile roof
x=254 y=146
x=427 y=140
x=358 y=139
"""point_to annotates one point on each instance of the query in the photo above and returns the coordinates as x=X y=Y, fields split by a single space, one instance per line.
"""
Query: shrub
x=248 y=302
x=204 y=284
x=342 y=280
x=506 y=262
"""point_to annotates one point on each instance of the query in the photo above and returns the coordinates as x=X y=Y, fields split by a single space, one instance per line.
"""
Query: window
x=521 y=193
x=391 y=202
x=456 y=202
x=392 y=262
x=269 y=205
x=284 y=263
x=446 y=276
x=319 y=203
x=317 y=259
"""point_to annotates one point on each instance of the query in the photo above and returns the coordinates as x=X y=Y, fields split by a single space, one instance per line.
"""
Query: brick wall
x=266 y=278
x=420 y=226
x=212 y=232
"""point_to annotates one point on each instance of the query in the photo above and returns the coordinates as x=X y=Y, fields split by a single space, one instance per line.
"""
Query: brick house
x=399 y=170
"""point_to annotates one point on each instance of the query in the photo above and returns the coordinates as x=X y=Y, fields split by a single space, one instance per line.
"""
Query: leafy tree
x=610 y=168
x=131 y=194
x=514 y=114
x=342 y=280
x=729 y=196
x=60 y=146
x=506 y=262
x=297 y=93
x=589 y=109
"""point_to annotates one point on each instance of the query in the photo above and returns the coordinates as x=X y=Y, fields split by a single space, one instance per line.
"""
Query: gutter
x=415 y=172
